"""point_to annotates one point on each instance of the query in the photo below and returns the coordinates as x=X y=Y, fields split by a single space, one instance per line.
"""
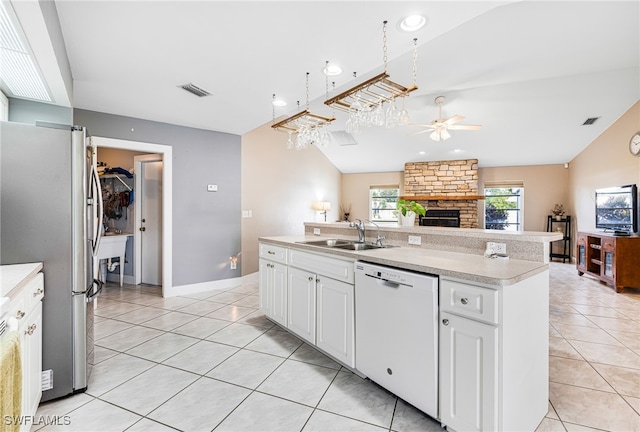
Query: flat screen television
x=617 y=209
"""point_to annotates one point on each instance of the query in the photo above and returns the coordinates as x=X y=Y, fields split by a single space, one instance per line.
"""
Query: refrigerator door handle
x=92 y=292
x=97 y=235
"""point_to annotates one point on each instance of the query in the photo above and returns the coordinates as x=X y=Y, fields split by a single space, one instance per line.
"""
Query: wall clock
x=634 y=144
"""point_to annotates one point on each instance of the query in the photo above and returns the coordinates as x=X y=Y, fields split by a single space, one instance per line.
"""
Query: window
x=382 y=203
x=503 y=206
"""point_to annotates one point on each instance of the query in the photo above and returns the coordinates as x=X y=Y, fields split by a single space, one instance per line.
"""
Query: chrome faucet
x=378 y=238
x=357 y=224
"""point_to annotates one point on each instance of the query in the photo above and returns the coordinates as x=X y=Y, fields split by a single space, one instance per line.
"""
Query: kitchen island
x=491 y=323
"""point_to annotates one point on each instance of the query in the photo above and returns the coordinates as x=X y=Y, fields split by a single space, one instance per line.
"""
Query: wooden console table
x=614 y=260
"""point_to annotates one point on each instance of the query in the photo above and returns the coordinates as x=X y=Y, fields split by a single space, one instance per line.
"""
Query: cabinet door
x=264 y=285
x=335 y=319
x=32 y=361
x=581 y=253
x=468 y=374
x=302 y=304
x=279 y=293
x=273 y=290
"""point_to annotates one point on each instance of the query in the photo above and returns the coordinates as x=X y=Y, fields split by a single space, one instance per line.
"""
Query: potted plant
x=558 y=211
x=408 y=210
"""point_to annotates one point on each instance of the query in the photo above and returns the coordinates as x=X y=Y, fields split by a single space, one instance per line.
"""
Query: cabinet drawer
x=273 y=253
x=608 y=244
x=469 y=300
x=334 y=268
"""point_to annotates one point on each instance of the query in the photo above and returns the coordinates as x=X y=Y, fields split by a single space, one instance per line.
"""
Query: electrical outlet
x=500 y=248
x=212 y=188
x=233 y=263
x=491 y=248
x=415 y=240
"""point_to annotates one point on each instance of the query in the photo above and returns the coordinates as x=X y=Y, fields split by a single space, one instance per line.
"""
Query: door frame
x=167 y=196
x=137 y=238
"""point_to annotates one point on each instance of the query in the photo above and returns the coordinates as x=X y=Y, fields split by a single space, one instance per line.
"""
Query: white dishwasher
x=397 y=332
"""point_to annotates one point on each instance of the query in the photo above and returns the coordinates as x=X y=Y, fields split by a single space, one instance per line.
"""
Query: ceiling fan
x=440 y=128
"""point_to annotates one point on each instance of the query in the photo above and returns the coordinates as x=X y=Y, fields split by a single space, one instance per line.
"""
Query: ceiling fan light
x=445 y=135
x=435 y=135
x=413 y=23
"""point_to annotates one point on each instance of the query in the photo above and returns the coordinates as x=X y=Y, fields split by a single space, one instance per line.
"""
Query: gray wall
x=26 y=111
x=206 y=225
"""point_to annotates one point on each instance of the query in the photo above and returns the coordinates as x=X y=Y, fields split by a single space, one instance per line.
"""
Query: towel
x=11 y=382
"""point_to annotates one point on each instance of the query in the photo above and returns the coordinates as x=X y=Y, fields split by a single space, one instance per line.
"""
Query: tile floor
x=211 y=361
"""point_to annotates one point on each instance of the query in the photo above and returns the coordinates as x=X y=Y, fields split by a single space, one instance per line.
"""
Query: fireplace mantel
x=442 y=197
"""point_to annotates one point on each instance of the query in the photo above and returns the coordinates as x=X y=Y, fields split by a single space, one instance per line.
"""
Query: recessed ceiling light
x=413 y=23
x=457 y=150
x=279 y=103
x=421 y=153
x=332 y=70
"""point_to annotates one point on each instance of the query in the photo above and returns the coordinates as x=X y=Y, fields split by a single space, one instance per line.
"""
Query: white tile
x=95 y=416
x=322 y=421
x=264 y=413
x=276 y=342
x=231 y=313
x=162 y=347
x=299 y=382
x=201 y=327
x=169 y=321
x=246 y=368
x=141 y=315
x=351 y=396
x=237 y=334
x=202 y=307
x=146 y=425
x=108 y=327
x=115 y=371
x=150 y=389
x=308 y=354
x=201 y=357
x=128 y=338
x=409 y=418
x=185 y=410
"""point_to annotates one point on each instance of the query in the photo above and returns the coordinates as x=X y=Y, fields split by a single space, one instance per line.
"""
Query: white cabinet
x=26 y=306
x=273 y=290
x=273 y=282
x=468 y=373
x=335 y=321
x=302 y=304
x=494 y=354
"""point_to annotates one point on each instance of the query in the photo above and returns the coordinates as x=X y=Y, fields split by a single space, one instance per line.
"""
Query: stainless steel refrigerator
x=50 y=210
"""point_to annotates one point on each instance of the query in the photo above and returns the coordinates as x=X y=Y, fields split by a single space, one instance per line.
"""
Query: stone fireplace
x=446 y=185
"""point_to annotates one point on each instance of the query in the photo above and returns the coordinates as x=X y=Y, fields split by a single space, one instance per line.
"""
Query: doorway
x=148 y=237
x=162 y=153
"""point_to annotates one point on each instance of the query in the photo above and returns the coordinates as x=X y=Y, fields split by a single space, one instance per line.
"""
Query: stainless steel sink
x=359 y=246
x=328 y=243
x=344 y=244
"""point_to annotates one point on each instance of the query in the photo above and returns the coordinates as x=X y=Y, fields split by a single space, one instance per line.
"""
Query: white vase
x=408 y=220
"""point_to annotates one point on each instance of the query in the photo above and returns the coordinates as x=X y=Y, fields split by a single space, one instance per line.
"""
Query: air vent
x=343 y=138
x=590 y=121
x=194 y=89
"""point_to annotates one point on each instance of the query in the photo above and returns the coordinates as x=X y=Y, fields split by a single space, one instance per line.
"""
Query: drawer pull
x=30 y=330
x=20 y=314
x=38 y=292
x=271 y=252
x=445 y=322
x=464 y=300
x=310 y=278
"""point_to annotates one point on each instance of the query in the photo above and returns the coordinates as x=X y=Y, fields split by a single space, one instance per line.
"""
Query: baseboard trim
x=179 y=290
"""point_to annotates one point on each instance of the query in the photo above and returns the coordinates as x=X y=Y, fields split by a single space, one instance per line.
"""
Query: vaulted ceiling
x=530 y=72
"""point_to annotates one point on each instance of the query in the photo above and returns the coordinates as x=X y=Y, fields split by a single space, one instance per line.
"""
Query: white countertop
x=14 y=276
x=476 y=268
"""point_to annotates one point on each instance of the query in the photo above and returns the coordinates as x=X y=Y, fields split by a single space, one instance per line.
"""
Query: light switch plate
x=316 y=231
x=212 y=188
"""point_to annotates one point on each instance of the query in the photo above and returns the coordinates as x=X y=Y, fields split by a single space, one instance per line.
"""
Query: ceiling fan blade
x=454 y=119
x=420 y=132
x=465 y=127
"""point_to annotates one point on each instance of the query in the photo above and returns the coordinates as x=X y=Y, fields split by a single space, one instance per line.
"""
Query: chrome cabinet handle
x=20 y=314
x=38 y=292
x=271 y=252
x=30 y=330
x=445 y=321
x=464 y=301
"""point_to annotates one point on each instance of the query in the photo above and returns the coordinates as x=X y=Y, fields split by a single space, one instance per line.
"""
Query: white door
x=468 y=374
x=335 y=325
x=302 y=304
x=151 y=222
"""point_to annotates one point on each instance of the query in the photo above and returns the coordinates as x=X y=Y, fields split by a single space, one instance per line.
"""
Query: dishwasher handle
x=387 y=283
